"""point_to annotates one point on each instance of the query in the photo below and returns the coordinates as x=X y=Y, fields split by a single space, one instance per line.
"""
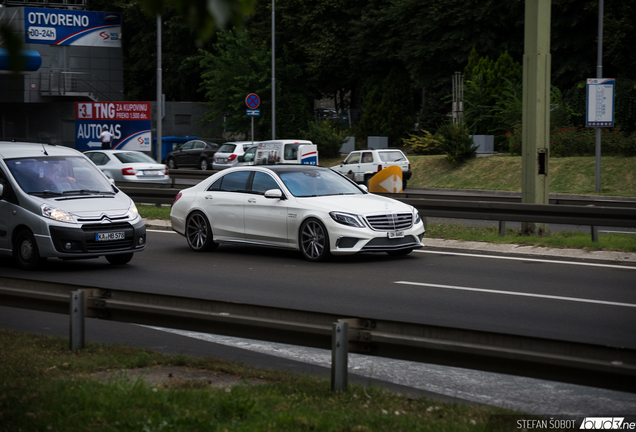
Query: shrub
x=328 y=139
x=456 y=142
x=425 y=144
x=514 y=139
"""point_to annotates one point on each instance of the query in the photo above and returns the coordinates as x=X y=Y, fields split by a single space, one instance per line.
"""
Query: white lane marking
x=161 y=231
x=476 y=255
x=545 y=296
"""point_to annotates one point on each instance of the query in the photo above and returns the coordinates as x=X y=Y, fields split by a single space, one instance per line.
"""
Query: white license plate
x=119 y=235
x=221 y=160
x=396 y=234
x=151 y=173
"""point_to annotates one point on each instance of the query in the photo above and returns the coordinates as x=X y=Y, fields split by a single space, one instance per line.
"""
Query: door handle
x=251 y=200
x=209 y=197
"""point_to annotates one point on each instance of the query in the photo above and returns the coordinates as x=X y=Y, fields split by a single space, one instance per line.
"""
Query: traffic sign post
x=253 y=102
x=600 y=113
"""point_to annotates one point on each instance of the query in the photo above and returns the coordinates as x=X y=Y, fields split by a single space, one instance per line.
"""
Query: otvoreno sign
x=72 y=27
x=129 y=122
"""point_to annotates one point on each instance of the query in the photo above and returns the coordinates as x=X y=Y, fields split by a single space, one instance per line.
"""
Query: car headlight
x=347 y=219
x=56 y=214
x=133 y=213
x=416 y=216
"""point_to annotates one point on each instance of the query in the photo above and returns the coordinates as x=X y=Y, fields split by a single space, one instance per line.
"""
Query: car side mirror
x=364 y=188
x=1 y=190
x=241 y=158
x=274 y=193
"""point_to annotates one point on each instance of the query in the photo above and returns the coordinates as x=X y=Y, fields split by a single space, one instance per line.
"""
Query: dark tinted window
x=262 y=183
x=187 y=146
x=227 y=148
x=133 y=157
x=98 y=158
x=235 y=182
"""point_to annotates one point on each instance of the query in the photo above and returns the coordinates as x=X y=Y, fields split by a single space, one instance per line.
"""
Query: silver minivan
x=54 y=202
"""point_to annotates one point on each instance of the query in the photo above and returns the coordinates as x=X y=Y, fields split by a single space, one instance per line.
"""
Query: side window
x=262 y=183
x=98 y=158
x=199 y=145
x=234 y=182
x=216 y=185
x=7 y=194
x=249 y=155
x=187 y=146
x=291 y=151
x=367 y=157
x=353 y=158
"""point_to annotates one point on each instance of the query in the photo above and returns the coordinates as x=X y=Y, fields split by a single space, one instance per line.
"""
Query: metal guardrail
x=571 y=362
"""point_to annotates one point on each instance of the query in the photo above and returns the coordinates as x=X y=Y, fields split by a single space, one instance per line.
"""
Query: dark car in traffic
x=194 y=153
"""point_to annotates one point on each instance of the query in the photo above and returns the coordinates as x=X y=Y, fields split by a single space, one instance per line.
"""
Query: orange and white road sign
x=389 y=180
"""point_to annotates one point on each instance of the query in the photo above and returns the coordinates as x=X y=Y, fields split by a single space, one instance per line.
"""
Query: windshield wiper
x=45 y=192
x=87 y=192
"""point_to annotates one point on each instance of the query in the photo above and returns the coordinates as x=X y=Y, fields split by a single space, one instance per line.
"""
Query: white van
x=286 y=152
x=54 y=202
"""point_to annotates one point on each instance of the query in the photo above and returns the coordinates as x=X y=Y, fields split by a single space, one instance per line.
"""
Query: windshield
x=312 y=183
x=58 y=175
x=132 y=157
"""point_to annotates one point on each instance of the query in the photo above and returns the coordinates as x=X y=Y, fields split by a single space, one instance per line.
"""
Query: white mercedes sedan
x=308 y=208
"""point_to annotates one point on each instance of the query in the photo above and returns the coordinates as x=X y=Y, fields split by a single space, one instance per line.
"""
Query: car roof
x=25 y=149
x=283 y=168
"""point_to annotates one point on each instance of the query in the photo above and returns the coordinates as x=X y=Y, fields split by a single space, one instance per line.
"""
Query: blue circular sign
x=252 y=101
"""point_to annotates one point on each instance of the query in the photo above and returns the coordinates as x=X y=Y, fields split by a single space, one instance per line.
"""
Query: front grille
x=100 y=246
x=381 y=244
x=390 y=221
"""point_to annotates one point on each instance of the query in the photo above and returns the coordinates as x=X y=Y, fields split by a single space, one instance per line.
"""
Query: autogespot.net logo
x=607 y=423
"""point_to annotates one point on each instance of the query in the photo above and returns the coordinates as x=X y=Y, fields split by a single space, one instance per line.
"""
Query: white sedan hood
x=357 y=204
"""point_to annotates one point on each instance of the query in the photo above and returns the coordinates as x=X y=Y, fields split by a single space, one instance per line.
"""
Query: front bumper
x=348 y=241
x=74 y=242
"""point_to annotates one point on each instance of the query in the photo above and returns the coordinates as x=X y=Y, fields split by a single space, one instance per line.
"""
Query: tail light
x=231 y=158
x=379 y=168
x=176 y=198
x=128 y=171
x=165 y=171
x=409 y=167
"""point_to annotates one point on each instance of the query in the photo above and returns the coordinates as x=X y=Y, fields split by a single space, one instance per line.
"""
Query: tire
x=204 y=165
x=401 y=252
x=403 y=185
x=120 y=259
x=25 y=251
x=171 y=163
x=198 y=233
x=314 y=240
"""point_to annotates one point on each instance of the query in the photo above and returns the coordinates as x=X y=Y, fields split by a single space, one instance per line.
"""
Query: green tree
x=388 y=108
x=238 y=66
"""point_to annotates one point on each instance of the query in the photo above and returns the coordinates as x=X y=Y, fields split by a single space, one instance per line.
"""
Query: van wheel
x=119 y=259
x=25 y=251
x=403 y=184
x=171 y=163
x=366 y=180
x=203 y=164
x=199 y=233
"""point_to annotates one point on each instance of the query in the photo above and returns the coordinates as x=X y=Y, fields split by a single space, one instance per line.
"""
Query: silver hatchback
x=54 y=202
x=228 y=153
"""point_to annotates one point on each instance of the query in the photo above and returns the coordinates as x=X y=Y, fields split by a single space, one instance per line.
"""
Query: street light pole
x=599 y=74
x=159 y=101
x=273 y=72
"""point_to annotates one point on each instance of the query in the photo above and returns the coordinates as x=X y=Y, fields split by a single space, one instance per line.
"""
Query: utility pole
x=599 y=74
x=273 y=72
x=536 y=108
x=159 y=99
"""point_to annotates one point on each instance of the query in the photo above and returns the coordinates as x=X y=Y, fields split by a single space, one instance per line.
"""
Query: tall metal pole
x=159 y=101
x=273 y=72
x=599 y=74
x=536 y=108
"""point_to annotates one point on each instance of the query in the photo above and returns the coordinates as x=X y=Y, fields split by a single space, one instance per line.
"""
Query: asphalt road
x=594 y=304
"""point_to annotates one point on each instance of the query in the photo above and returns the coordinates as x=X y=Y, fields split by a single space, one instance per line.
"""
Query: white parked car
x=228 y=153
x=55 y=203
x=129 y=166
x=304 y=207
x=361 y=165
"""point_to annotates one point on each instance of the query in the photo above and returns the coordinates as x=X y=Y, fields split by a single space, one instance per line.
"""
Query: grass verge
x=45 y=386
